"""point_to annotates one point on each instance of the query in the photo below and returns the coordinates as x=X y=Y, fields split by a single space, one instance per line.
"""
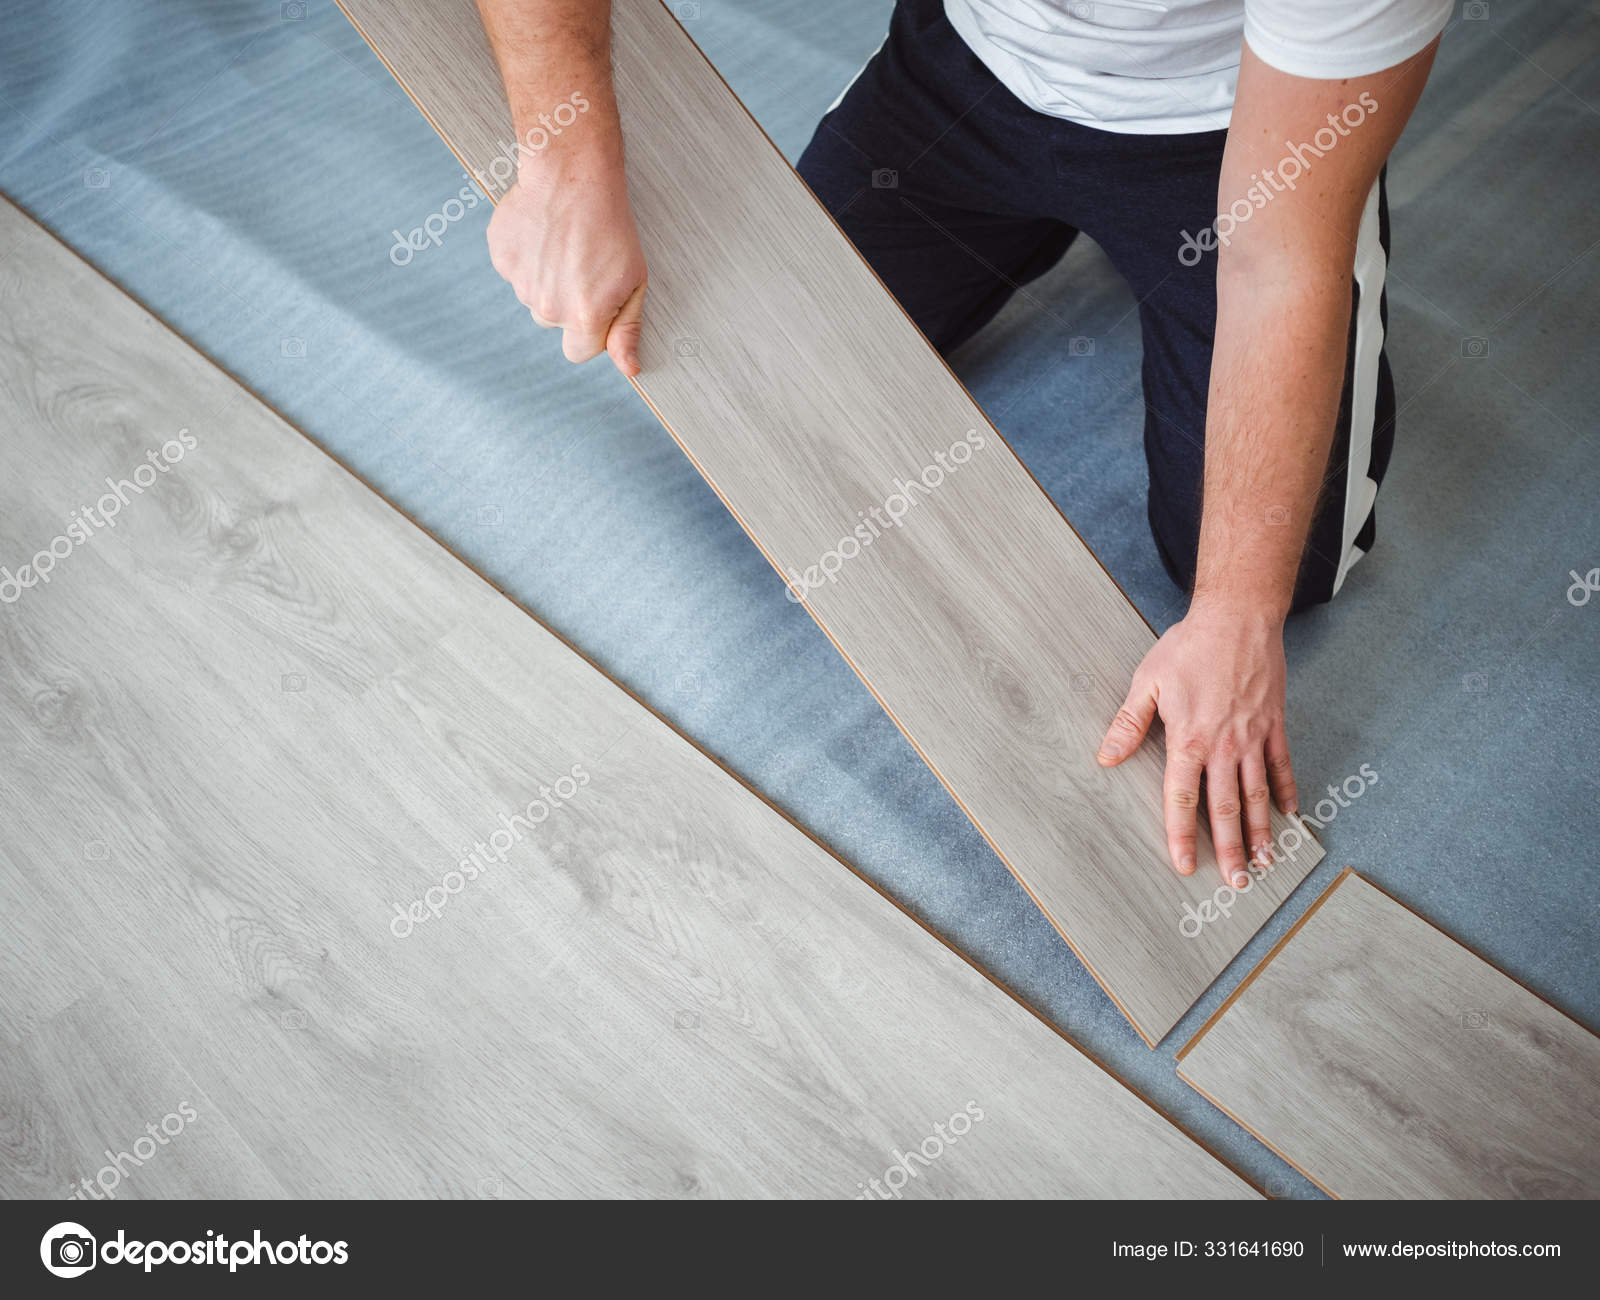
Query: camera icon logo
x=96 y=178
x=68 y=1250
x=885 y=178
x=1475 y=347
x=292 y=11
x=1080 y=347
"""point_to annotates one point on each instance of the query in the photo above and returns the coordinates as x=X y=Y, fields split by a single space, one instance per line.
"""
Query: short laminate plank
x=985 y=627
x=1383 y=1059
x=664 y=989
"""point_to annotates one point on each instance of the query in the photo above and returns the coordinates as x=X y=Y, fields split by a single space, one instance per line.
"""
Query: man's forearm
x=1217 y=678
x=564 y=236
x=1277 y=370
x=549 y=50
x=1283 y=317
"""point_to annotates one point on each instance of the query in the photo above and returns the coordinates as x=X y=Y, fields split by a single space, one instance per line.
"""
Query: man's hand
x=1217 y=679
x=564 y=234
x=564 y=237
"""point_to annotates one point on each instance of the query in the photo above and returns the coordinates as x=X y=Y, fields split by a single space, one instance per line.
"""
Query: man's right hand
x=564 y=238
x=564 y=234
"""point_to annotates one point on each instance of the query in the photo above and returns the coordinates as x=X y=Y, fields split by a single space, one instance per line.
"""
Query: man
x=1228 y=157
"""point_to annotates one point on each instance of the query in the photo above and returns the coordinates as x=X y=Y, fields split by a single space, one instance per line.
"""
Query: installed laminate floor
x=988 y=631
x=1385 y=1060
x=332 y=864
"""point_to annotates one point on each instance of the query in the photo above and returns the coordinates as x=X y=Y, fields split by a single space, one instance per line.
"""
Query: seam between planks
x=1259 y=967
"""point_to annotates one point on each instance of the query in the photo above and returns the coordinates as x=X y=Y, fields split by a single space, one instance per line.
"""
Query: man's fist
x=565 y=239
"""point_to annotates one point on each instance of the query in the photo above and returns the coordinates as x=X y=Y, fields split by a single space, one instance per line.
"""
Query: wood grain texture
x=1383 y=1059
x=252 y=720
x=982 y=623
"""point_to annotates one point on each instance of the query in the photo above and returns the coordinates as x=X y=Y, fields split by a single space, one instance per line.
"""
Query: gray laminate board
x=1383 y=1059
x=252 y=725
x=985 y=627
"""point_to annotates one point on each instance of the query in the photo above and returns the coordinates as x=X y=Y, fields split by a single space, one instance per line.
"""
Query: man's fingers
x=1222 y=800
x=1130 y=725
x=581 y=342
x=1257 y=807
x=1280 y=771
x=622 y=340
x=1181 y=799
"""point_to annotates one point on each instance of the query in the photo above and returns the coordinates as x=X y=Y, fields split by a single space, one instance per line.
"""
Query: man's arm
x=564 y=234
x=1218 y=678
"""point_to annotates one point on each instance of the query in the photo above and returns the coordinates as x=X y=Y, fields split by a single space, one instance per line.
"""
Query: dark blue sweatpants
x=957 y=193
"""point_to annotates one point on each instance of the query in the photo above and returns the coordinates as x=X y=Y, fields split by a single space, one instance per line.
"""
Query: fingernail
x=1103 y=758
x=1187 y=865
x=1240 y=879
x=1293 y=806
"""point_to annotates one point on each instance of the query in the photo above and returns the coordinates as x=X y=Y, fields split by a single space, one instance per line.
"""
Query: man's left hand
x=1217 y=679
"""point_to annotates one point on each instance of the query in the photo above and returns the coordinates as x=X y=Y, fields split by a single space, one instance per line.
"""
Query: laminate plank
x=659 y=987
x=1383 y=1059
x=799 y=389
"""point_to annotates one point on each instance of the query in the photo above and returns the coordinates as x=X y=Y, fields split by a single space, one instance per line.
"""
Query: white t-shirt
x=1151 y=67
